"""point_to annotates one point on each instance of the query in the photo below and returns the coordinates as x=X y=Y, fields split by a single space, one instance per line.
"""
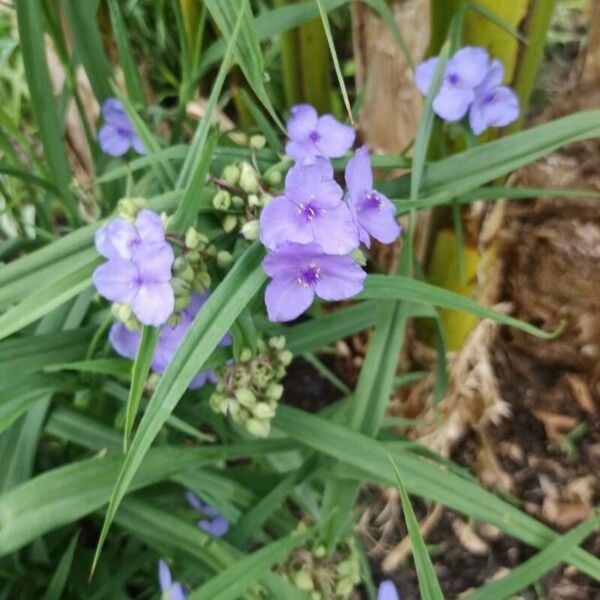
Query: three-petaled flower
x=138 y=269
x=312 y=136
x=117 y=135
x=214 y=523
x=470 y=83
x=170 y=590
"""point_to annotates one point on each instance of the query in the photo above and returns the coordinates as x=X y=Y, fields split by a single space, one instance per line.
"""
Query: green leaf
x=366 y=460
x=139 y=373
x=127 y=60
x=536 y=567
x=208 y=328
x=233 y=581
x=485 y=12
x=403 y=288
x=58 y=584
x=429 y=585
x=30 y=21
x=88 y=45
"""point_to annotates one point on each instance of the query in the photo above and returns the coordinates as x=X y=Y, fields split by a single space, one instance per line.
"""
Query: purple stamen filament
x=371 y=201
x=309 y=211
x=309 y=275
x=314 y=136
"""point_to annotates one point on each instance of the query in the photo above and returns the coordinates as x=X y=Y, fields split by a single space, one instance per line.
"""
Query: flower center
x=309 y=211
x=139 y=280
x=490 y=98
x=309 y=275
x=314 y=136
x=453 y=79
x=371 y=201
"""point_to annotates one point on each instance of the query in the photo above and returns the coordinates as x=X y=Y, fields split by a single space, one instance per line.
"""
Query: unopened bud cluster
x=242 y=193
x=249 y=390
x=322 y=576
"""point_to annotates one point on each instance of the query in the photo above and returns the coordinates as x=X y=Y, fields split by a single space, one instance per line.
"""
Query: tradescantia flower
x=462 y=74
x=126 y=342
x=300 y=271
x=387 y=591
x=373 y=212
x=170 y=590
x=494 y=105
x=215 y=523
x=312 y=136
x=138 y=269
x=311 y=210
x=117 y=135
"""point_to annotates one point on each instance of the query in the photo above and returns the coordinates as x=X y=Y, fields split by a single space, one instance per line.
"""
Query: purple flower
x=387 y=591
x=138 y=269
x=372 y=211
x=215 y=523
x=463 y=73
x=300 y=271
x=126 y=342
x=311 y=210
x=312 y=136
x=117 y=134
x=171 y=590
x=495 y=105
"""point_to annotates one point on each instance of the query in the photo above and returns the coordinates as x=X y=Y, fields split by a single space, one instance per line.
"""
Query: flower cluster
x=138 y=270
x=126 y=341
x=117 y=135
x=311 y=229
x=249 y=390
x=213 y=523
x=323 y=576
x=473 y=84
x=170 y=590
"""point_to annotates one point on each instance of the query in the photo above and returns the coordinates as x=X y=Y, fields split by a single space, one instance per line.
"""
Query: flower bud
x=229 y=223
x=128 y=208
x=187 y=274
x=180 y=287
x=245 y=397
x=192 y=257
x=250 y=230
x=359 y=257
x=231 y=174
x=258 y=428
x=277 y=342
x=274 y=177
x=240 y=378
x=182 y=302
x=248 y=178
x=303 y=581
x=202 y=281
x=285 y=357
x=222 y=200
x=245 y=355
x=258 y=142
x=224 y=259
x=254 y=201
x=192 y=238
x=262 y=410
x=237 y=202
x=274 y=391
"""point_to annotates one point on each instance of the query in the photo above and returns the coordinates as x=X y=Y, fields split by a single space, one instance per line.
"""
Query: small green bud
x=224 y=259
x=237 y=202
x=359 y=257
x=192 y=238
x=258 y=427
x=303 y=581
x=285 y=357
x=258 y=142
x=231 y=174
x=265 y=198
x=180 y=287
x=320 y=551
x=245 y=354
x=262 y=374
x=274 y=177
x=250 y=230
x=345 y=586
x=277 y=342
x=254 y=201
x=192 y=257
x=211 y=251
x=217 y=402
x=248 y=178
x=262 y=410
x=182 y=302
x=187 y=274
x=245 y=397
x=237 y=412
x=274 y=391
x=128 y=208
x=222 y=200
x=240 y=378
x=229 y=223
x=121 y=311
x=202 y=281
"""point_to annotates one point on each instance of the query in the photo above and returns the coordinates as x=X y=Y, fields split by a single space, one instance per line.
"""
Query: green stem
x=314 y=67
x=290 y=62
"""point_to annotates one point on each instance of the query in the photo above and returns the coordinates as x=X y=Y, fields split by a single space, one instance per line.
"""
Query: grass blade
x=57 y=586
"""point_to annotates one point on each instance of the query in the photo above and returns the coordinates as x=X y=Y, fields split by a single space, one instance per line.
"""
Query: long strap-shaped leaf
x=403 y=288
x=368 y=459
x=207 y=329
